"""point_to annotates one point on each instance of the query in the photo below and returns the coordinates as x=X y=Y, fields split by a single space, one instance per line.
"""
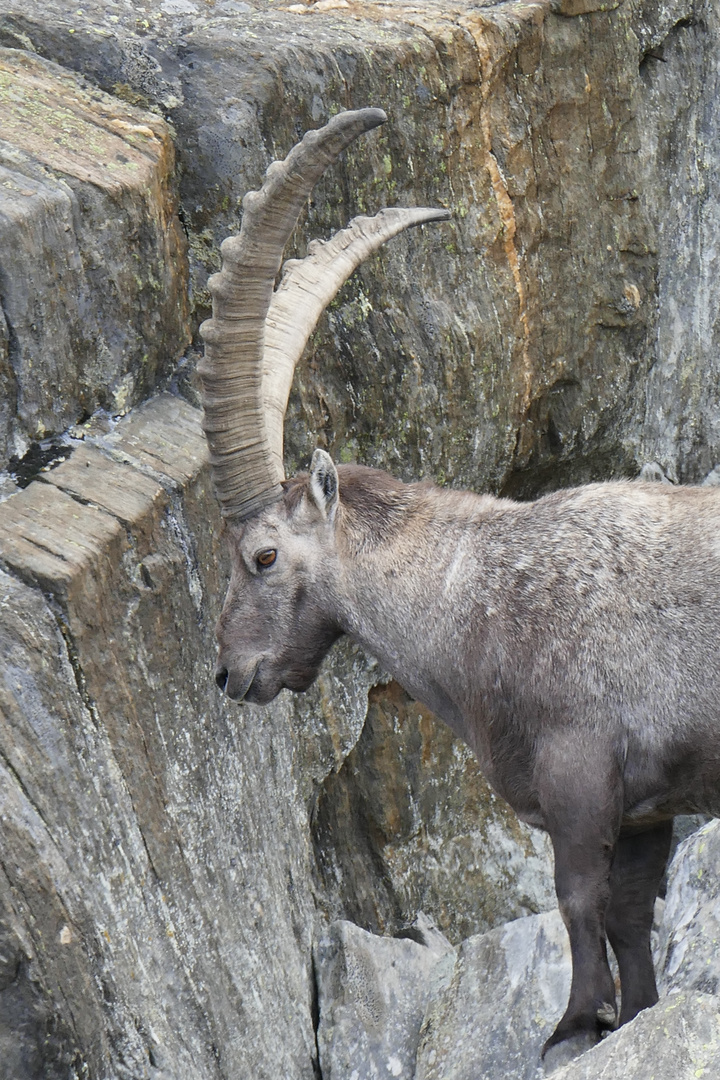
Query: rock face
x=151 y=920
x=691 y=923
x=166 y=861
x=408 y=824
x=678 y=138
x=93 y=273
x=548 y=130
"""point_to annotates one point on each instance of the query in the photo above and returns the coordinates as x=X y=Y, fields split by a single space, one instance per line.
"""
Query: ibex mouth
x=235 y=684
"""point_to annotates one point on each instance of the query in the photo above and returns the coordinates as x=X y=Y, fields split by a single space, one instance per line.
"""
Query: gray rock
x=154 y=845
x=93 y=273
x=679 y=1039
x=372 y=995
x=678 y=138
x=456 y=353
x=651 y=472
x=687 y=952
x=509 y=989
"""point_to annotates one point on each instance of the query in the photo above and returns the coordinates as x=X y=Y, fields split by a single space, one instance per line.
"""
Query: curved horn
x=248 y=365
x=307 y=287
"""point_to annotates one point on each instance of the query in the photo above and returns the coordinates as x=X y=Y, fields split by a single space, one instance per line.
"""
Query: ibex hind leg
x=582 y=809
x=637 y=870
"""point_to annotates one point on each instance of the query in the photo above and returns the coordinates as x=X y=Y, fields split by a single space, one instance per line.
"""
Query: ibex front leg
x=580 y=793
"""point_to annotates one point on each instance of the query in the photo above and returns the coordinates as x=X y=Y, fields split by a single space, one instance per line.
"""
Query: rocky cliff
x=167 y=861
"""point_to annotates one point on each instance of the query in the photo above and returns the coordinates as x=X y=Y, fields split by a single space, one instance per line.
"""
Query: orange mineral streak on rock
x=507 y=217
x=494 y=40
x=491 y=58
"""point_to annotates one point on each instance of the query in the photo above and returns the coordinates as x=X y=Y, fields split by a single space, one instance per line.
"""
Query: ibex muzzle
x=573 y=642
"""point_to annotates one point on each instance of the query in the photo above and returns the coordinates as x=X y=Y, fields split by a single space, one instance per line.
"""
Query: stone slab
x=93 y=271
x=50 y=539
x=509 y=989
x=372 y=996
x=93 y=477
x=164 y=436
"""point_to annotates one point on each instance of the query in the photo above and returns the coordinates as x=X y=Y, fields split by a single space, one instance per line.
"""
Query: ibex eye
x=266 y=558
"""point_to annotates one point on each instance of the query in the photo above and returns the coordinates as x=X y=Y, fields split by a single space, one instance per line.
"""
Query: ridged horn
x=307 y=287
x=255 y=337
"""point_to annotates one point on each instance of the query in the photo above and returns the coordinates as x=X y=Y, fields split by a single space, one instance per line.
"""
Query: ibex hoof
x=557 y=1054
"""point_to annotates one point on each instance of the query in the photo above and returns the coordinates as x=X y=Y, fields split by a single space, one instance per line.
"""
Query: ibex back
x=573 y=642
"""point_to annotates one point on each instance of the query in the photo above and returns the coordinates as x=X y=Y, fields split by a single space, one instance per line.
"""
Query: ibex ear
x=324 y=484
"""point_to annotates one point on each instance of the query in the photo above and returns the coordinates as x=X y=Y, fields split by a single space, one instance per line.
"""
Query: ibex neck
x=407 y=552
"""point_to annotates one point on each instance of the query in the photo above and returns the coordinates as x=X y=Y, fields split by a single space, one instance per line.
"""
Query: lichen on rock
x=92 y=271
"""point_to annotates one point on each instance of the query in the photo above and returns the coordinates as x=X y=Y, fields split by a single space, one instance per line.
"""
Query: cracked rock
x=372 y=995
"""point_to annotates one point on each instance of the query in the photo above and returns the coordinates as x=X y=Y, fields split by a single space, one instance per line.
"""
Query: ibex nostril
x=221 y=677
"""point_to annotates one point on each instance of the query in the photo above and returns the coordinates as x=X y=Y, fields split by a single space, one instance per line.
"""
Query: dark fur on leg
x=637 y=870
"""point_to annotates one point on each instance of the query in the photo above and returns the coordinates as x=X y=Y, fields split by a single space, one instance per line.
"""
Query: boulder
x=372 y=996
x=508 y=990
x=687 y=950
x=491 y=1013
x=678 y=1039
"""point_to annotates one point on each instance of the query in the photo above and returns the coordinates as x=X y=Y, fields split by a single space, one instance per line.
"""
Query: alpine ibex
x=572 y=642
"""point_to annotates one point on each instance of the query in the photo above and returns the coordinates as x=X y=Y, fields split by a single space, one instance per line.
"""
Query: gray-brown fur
x=573 y=642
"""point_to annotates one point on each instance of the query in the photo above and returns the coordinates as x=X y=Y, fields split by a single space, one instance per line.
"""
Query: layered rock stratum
x=167 y=861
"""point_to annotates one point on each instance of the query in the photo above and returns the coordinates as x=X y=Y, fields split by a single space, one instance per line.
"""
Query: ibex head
x=278 y=620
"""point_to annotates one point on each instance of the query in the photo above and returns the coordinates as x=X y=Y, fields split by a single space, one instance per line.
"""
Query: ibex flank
x=572 y=642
